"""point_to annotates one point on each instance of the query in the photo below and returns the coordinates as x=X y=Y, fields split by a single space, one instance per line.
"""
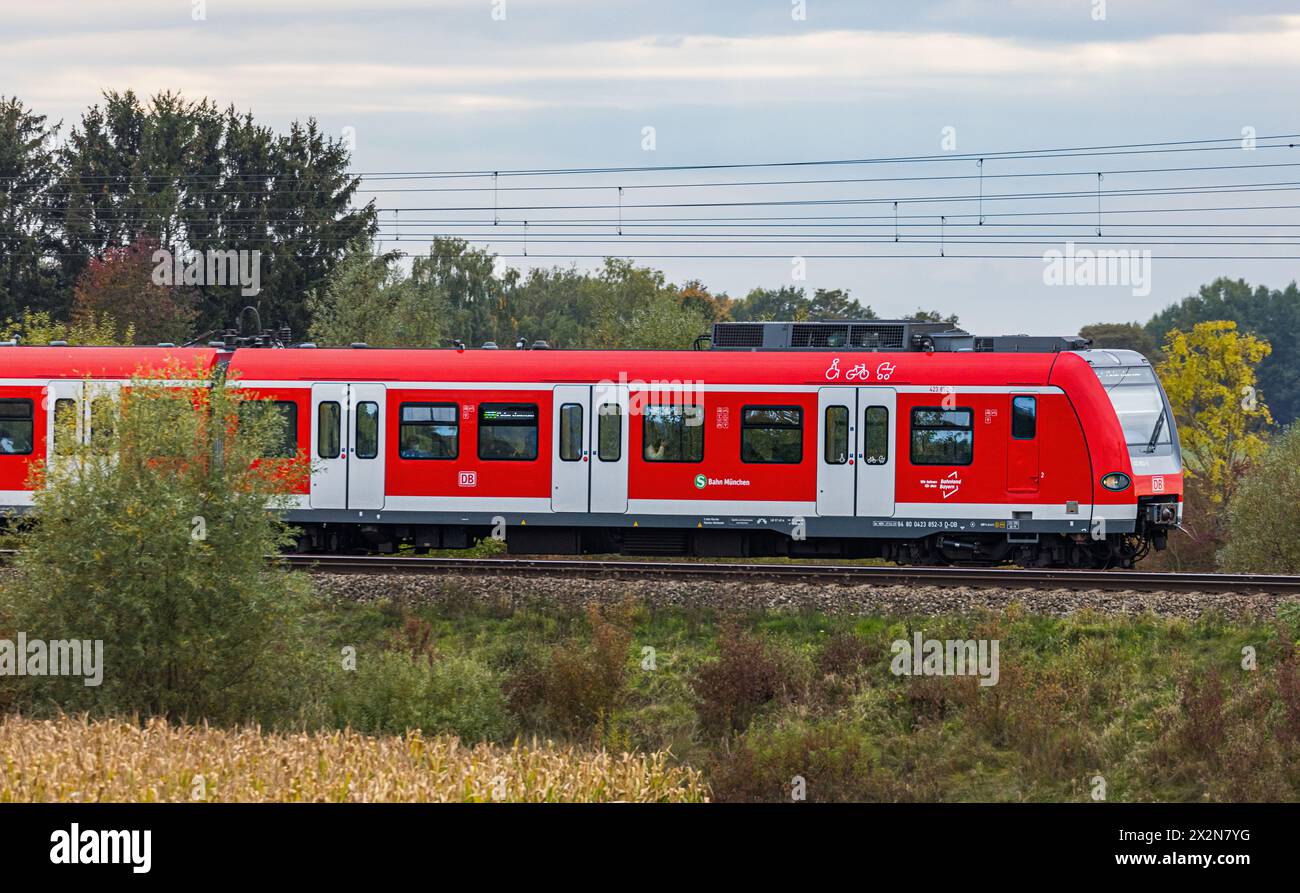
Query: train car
x=903 y=443
x=36 y=383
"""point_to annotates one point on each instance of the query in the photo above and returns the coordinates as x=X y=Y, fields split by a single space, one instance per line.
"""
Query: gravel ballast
x=865 y=599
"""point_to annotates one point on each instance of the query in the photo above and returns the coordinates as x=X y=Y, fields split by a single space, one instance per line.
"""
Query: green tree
x=835 y=303
x=635 y=307
x=463 y=278
x=923 y=315
x=28 y=252
x=771 y=304
x=368 y=299
x=152 y=538
x=1261 y=530
x=1123 y=336
x=195 y=178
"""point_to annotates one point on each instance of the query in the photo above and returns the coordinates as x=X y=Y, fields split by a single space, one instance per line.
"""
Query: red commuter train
x=894 y=440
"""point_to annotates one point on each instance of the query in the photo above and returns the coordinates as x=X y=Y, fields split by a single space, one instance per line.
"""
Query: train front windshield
x=1140 y=405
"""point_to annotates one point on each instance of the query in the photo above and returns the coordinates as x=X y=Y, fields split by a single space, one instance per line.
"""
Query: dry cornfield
x=111 y=761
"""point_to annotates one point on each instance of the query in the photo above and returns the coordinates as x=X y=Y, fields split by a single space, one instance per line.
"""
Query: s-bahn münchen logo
x=701 y=482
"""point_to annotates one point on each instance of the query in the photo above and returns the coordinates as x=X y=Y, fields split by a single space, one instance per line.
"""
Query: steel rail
x=839 y=574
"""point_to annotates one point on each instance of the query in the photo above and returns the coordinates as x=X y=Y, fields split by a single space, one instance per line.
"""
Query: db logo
x=1157 y=484
x=468 y=479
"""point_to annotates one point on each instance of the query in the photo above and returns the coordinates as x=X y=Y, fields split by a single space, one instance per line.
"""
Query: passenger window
x=16 y=427
x=673 y=433
x=942 y=436
x=429 y=431
x=875 y=436
x=329 y=420
x=367 y=426
x=609 y=432
x=507 y=431
x=1024 y=418
x=570 y=432
x=771 y=434
x=837 y=435
x=65 y=425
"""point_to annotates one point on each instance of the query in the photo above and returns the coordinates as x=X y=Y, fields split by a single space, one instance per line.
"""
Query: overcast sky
x=454 y=85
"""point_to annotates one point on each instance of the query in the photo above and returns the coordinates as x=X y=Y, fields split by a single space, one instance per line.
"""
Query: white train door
x=367 y=442
x=571 y=448
x=877 y=452
x=329 y=450
x=836 y=450
x=609 y=444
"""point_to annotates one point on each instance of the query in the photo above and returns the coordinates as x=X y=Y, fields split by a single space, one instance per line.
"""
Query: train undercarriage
x=1048 y=550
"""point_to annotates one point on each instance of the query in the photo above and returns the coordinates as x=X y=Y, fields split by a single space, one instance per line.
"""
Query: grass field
x=1156 y=708
x=665 y=703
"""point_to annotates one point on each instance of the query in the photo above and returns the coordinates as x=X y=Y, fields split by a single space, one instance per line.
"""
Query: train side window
x=609 y=432
x=875 y=436
x=507 y=431
x=286 y=445
x=673 y=433
x=65 y=425
x=1024 y=418
x=329 y=420
x=942 y=436
x=837 y=435
x=771 y=434
x=101 y=424
x=429 y=431
x=367 y=425
x=570 y=432
x=16 y=427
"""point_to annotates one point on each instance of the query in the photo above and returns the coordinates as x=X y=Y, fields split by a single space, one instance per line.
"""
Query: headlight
x=1116 y=480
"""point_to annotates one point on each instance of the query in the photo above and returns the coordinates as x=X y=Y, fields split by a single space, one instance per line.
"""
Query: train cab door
x=1023 y=469
x=366 y=442
x=571 y=448
x=877 y=452
x=329 y=449
x=837 y=461
x=65 y=420
x=609 y=445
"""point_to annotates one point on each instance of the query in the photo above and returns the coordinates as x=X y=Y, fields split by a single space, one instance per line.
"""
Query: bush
x=1262 y=534
x=748 y=674
x=824 y=763
x=585 y=684
x=392 y=692
x=153 y=539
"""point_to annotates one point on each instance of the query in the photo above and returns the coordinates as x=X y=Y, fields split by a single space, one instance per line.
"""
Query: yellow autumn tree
x=1209 y=375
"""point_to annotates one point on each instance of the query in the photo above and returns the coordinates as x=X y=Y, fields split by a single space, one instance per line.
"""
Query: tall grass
x=108 y=761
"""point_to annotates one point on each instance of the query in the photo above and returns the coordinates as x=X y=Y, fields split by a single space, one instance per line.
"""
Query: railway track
x=829 y=574
x=826 y=574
